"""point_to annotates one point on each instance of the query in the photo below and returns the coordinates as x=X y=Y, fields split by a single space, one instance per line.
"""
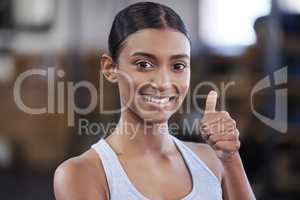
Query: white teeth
x=157 y=100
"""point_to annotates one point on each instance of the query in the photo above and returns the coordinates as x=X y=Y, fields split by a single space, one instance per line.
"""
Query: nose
x=162 y=79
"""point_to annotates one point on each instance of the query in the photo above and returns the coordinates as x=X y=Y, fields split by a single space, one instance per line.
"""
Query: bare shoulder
x=208 y=156
x=81 y=177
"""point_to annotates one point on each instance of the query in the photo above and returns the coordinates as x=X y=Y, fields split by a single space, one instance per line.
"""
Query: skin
x=148 y=147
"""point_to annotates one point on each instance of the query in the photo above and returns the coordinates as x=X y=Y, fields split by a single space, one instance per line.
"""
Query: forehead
x=161 y=42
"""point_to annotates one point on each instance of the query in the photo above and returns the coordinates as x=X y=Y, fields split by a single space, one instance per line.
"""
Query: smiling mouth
x=158 y=99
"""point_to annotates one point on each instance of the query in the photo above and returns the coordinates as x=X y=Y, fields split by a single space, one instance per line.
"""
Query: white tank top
x=206 y=185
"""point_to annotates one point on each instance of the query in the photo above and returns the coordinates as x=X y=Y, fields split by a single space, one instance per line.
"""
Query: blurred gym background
x=234 y=40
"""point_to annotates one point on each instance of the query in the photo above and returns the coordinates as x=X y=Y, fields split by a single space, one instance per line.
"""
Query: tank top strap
x=204 y=178
x=108 y=160
x=119 y=184
x=189 y=155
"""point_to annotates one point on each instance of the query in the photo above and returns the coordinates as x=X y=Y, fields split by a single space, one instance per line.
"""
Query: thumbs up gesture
x=219 y=130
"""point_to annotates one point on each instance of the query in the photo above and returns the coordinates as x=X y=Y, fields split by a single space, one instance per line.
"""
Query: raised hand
x=219 y=130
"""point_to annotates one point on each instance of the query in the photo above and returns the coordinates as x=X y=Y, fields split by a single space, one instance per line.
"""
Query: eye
x=179 y=66
x=144 y=64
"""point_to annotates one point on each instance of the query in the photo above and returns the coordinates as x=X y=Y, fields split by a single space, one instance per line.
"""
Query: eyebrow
x=152 y=56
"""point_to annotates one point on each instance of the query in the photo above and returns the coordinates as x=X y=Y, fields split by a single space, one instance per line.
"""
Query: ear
x=108 y=68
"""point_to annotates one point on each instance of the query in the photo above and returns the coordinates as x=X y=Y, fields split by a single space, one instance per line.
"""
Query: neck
x=134 y=135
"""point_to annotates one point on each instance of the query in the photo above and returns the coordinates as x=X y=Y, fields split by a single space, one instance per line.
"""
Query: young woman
x=150 y=61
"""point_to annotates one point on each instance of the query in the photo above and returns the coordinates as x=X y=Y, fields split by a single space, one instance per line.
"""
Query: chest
x=159 y=178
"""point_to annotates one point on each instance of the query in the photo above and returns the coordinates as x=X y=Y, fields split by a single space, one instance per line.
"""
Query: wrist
x=231 y=160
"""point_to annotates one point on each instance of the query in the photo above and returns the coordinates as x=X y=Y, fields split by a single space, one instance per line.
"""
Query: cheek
x=127 y=87
x=184 y=83
x=185 y=88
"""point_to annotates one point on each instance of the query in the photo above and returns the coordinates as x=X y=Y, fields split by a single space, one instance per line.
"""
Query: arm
x=220 y=132
x=235 y=183
x=72 y=181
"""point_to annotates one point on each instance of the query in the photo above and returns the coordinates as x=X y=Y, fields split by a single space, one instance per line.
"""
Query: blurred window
x=228 y=25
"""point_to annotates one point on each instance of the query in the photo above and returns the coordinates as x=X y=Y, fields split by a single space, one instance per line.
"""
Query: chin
x=156 y=119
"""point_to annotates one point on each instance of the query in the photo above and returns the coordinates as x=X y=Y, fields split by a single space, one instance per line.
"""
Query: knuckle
x=237 y=133
x=233 y=122
x=203 y=124
x=225 y=113
x=231 y=136
x=204 y=131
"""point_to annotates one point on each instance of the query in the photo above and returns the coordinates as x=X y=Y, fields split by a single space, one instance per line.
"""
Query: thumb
x=211 y=102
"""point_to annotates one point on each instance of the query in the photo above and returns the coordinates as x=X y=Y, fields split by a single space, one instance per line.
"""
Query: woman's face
x=154 y=73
